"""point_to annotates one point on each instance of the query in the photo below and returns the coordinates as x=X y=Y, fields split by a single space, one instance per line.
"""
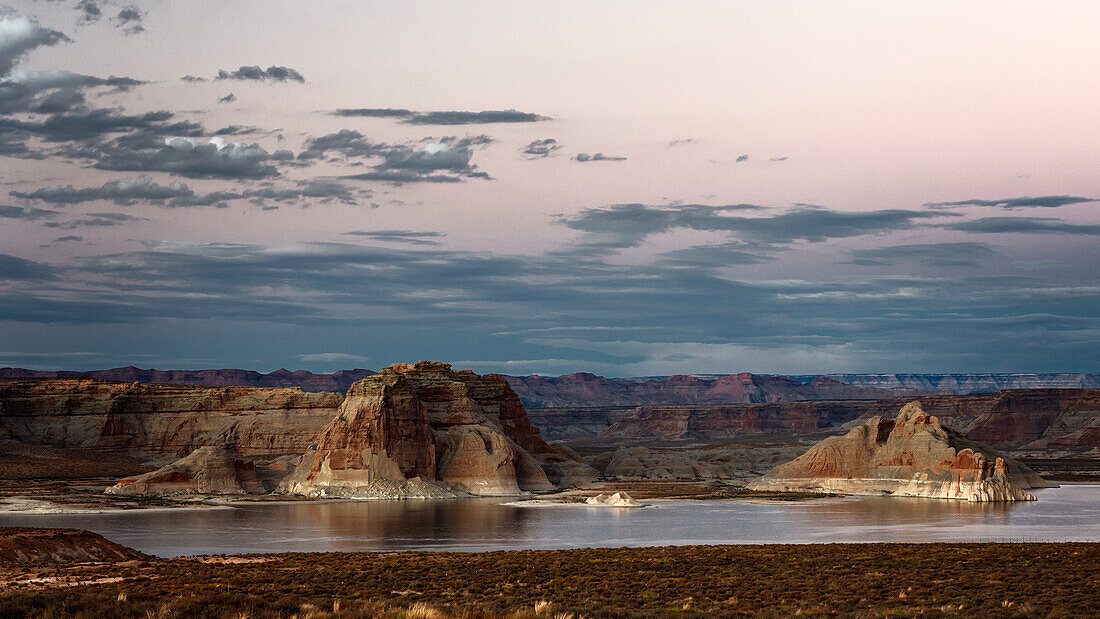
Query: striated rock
x=565 y=468
x=971 y=383
x=161 y=422
x=452 y=430
x=207 y=470
x=911 y=455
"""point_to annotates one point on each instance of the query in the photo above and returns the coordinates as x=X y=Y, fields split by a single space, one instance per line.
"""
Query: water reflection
x=1067 y=513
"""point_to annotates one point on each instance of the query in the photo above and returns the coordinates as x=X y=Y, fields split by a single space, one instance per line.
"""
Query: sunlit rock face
x=425 y=430
x=911 y=455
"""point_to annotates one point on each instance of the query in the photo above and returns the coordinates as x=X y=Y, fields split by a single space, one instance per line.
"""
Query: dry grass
x=984 y=580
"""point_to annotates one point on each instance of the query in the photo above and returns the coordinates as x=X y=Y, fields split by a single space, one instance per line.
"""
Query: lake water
x=1069 y=513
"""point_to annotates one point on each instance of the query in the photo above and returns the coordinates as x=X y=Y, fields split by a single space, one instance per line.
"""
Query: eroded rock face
x=161 y=423
x=424 y=421
x=911 y=455
x=207 y=470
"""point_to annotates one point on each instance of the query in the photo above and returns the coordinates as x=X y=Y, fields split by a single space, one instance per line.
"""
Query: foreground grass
x=994 y=580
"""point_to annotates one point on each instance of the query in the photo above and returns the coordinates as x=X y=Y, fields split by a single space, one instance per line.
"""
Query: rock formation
x=910 y=455
x=161 y=423
x=33 y=546
x=427 y=422
x=207 y=470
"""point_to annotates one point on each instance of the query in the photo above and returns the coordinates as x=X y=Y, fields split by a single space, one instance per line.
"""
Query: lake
x=1069 y=513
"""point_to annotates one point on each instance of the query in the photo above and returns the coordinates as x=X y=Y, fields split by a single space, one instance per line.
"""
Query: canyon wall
x=160 y=423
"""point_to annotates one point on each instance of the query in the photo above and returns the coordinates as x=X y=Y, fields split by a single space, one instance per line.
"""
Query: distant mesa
x=912 y=455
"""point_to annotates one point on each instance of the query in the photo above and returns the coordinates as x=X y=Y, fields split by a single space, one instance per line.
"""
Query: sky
x=625 y=188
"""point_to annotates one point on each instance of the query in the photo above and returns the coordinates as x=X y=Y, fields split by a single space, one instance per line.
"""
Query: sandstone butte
x=425 y=430
x=912 y=455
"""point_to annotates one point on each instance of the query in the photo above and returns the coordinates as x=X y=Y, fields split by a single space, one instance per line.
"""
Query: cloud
x=125 y=191
x=48 y=92
x=13 y=268
x=89 y=11
x=229 y=98
x=26 y=213
x=540 y=149
x=373 y=112
x=627 y=225
x=1023 y=225
x=255 y=73
x=145 y=189
x=192 y=158
x=474 y=118
x=403 y=177
x=741 y=158
x=332 y=357
x=347 y=142
x=779 y=158
x=449 y=117
x=19 y=35
x=585 y=157
x=130 y=20
x=1021 y=202
x=407 y=237
x=95 y=220
x=193 y=78
x=964 y=254
x=94 y=124
x=683 y=142
x=418 y=162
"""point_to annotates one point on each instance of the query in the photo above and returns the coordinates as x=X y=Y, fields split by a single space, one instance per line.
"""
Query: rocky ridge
x=207 y=470
x=914 y=455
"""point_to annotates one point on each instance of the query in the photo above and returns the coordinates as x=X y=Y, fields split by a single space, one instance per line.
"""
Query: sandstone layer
x=912 y=455
x=161 y=423
x=338 y=381
x=451 y=429
x=207 y=470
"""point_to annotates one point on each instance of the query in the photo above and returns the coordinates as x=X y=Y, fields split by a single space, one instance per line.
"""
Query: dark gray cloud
x=1024 y=225
x=19 y=35
x=89 y=11
x=176 y=195
x=229 y=98
x=779 y=158
x=46 y=92
x=398 y=177
x=585 y=157
x=347 y=142
x=26 y=213
x=449 y=117
x=408 y=237
x=627 y=225
x=474 y=118
x=1021 y=202
x=540 y=149
x=374 y=112
x=13 y=268
x=95 y=124
x=683 y=142
x=741 y=158
x=193 y=78
x=191 y=158
x=719 y=255
x=127 y=191
x=130 y=20
x=95 y=220
x=255 y=73
x=238 y=130
x=961 y=254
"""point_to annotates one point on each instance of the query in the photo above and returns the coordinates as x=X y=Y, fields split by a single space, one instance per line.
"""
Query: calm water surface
x=1069 y=513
